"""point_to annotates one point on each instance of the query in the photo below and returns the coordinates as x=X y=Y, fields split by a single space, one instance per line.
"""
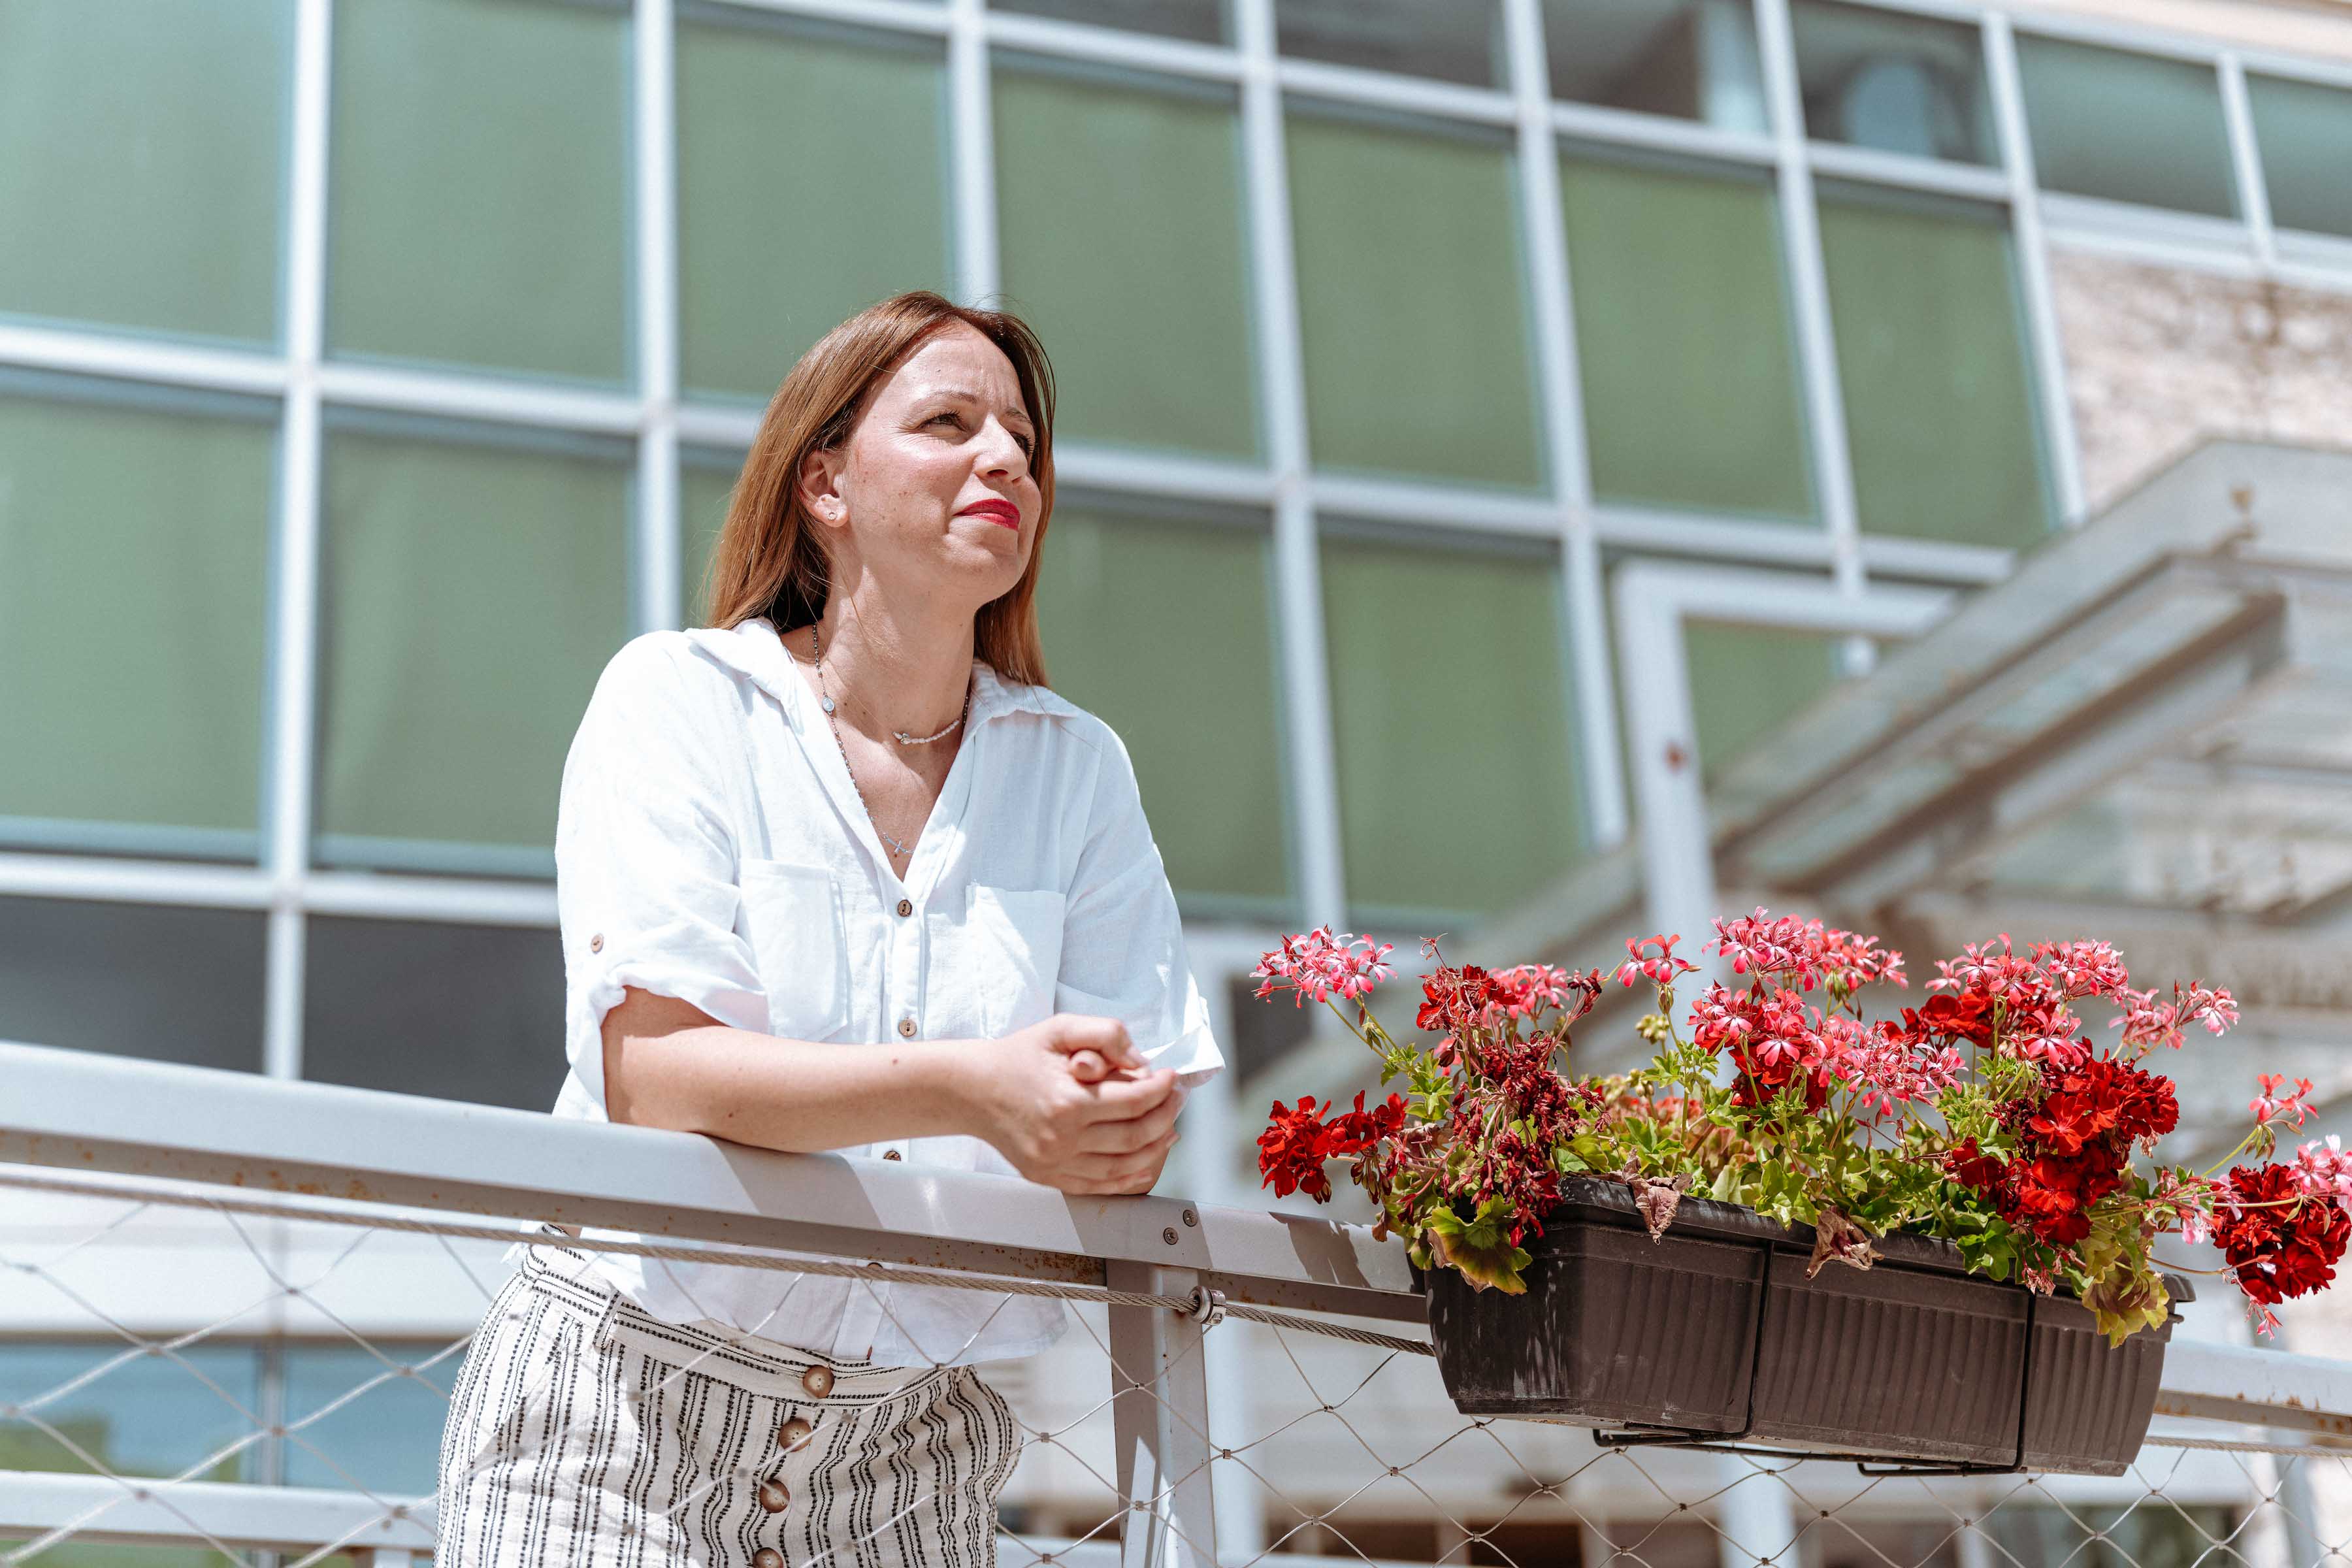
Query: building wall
x=2161 y=358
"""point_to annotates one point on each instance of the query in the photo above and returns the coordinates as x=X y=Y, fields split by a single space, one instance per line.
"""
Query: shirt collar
x=753 y=651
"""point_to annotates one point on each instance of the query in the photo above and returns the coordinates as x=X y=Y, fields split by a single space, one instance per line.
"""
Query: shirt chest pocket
x=1002 y=961
x=792 y=918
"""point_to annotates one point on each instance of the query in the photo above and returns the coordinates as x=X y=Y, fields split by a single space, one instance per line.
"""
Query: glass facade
x=1745 y=681
x=1412 y=308
x=1691 y=394
x=1692 y=59
x=1896 y=83
x=170 y=496
x=481 y=186
x=1315 y=309
x=1939 y=400
x=142 y=152
x=450 y=556
x=2304 y=133
x=1456 y=792
x=2127 y=127
x=148 y=1415
x=770 y=109
x=1159 y=626
x=1120 y=225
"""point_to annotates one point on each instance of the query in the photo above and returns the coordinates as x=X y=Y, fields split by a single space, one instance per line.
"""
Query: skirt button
x=767 y=1557
x=818 y=1381
x=793 y=1434
x=774 y=1495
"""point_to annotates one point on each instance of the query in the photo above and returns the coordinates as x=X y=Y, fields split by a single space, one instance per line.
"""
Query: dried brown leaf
x=1656 y=1197
x=1836 y=1237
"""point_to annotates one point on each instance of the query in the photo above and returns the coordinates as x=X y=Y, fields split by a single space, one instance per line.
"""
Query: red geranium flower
x=2280 y=1240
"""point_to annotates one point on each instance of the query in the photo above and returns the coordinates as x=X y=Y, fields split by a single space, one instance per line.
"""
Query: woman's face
x=933 y=494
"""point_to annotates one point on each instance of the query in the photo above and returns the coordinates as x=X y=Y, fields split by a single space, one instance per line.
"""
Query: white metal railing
x=162 y=1209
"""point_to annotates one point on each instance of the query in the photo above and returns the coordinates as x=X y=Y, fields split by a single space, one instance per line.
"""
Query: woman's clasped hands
x=1073 y=1106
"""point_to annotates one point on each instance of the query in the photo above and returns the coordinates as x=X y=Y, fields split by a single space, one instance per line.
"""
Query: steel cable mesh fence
x=182 y=1373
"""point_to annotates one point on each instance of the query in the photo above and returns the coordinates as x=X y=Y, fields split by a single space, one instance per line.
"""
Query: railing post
x=1159 y=1421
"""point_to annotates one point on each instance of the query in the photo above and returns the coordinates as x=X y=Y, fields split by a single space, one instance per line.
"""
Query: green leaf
x=1480 y=1247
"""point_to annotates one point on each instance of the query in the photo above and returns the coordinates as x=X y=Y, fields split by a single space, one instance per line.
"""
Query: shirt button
x=906 y=907
x=773 y=1497
x=907 y=1028
x=767 y=1557
x=596 y=942
x=793 y=1434
x=891 y=1153
x=818 y=1381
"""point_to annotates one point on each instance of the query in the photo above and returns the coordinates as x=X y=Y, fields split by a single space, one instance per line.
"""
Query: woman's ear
x=818 y=485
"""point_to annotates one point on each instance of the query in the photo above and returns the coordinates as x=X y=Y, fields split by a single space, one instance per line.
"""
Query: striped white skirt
x=584 y=1430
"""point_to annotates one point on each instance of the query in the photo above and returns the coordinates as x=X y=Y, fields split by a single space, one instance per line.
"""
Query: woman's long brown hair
x=769 y=561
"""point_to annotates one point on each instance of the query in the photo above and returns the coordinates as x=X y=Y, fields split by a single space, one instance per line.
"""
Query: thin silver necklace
x=824 y=699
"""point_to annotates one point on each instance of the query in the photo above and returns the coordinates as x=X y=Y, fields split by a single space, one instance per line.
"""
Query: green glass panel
x=1745 y=681
x=1450 y=710
x=2304 y=131
x=149 y=1415
x=1409 y=302
x=388 y=1439
x=476 y=1033
x=479 y=190
x=704 y=489
x=1691 y=395
x=777 y=243
x=1125 y=602
x=1939 y=407
x=162 y=983
x=1120 y=221
x=1694 y=59
x=1894 y=82
x=142 y=161
x=470 y=595
x=158 y=522
x=2125 y=127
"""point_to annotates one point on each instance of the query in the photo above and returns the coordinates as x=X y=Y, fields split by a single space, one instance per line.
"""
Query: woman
x=835 y=872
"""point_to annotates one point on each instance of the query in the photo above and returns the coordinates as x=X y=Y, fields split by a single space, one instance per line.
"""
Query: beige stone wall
x=2159 y=358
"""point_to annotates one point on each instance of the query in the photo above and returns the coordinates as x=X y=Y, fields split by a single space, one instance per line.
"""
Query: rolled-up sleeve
x=645 y=870
x=1122 y=940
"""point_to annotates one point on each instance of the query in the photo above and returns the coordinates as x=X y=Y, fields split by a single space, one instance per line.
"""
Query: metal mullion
x=295 y=608
x=480 y=397
x=709 y=425
x=1384 y=90
x=1632 y=128
x=1421 y=504
x=978 y=274
x=133 y=359
x=2318 y=72
x=898 y=15
x=1816 y=344
x=2246 y=158
x=121 y=879
x=1312 y=772
x=1582 y=612
x=2032 y=246
x=656 y=595
x=1903 y=171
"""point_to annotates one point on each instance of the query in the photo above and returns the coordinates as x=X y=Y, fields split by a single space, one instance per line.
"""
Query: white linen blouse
x=710 y=846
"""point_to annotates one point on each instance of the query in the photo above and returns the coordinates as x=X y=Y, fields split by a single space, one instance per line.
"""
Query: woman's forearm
x=797 y=1095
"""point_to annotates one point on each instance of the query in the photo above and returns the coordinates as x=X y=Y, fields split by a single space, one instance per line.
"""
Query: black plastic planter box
x=1914 y=1361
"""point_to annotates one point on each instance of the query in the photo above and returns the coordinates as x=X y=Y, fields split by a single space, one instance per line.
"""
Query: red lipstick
x=1000 y=511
